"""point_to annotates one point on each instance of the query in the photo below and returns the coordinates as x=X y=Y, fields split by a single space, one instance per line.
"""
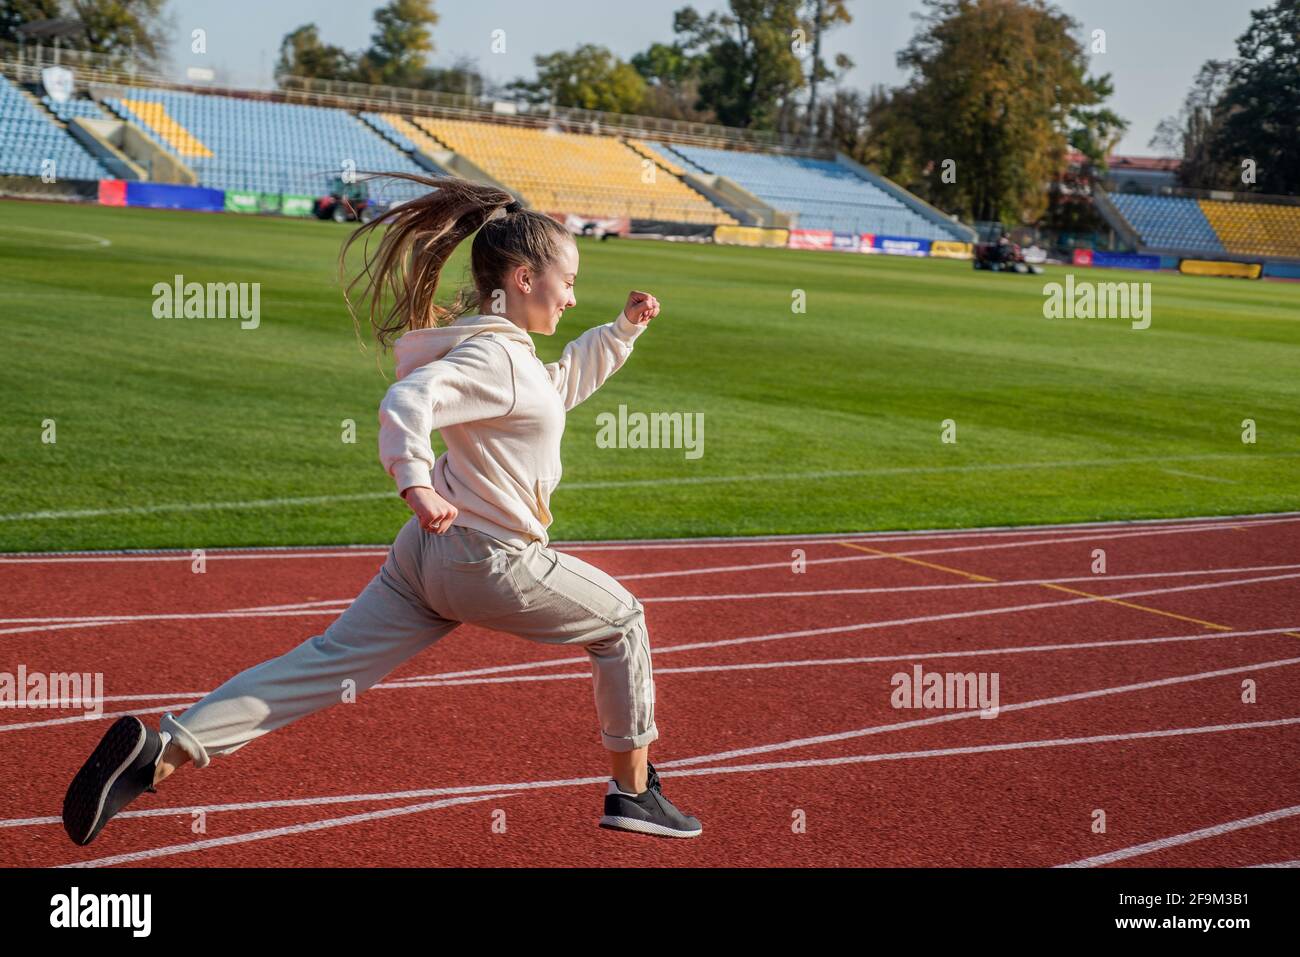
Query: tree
x=303 y=54
x=999 y=88
x=122 y=30
x=588 y=78
x=17 y=13
x=747 y=66
x=1194 y=134
x=823 y=15
x=1262 y=101
x=672 y=77
x=402 y=40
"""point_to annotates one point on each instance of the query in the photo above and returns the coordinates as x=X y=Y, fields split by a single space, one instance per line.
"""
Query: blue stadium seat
x=1168 y=222
x=825 y=194
x=30 y=141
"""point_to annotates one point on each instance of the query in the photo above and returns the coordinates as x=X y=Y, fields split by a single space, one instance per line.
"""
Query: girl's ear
x=523 y=279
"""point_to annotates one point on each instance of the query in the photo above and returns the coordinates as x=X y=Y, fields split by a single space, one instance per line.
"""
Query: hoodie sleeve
x=592 y=358
x=475 y=381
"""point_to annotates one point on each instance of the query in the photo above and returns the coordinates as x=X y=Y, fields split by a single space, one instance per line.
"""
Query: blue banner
x=175 y=196
x=1124 y=260
x=900 y=245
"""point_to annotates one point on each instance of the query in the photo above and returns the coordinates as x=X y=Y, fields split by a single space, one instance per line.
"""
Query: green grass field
x=176 y=432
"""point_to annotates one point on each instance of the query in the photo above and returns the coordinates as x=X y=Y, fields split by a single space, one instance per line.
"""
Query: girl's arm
x=592 y=358
x=475 y=381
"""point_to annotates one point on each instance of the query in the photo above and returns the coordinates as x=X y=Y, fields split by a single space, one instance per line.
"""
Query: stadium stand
x=1168 y=222
x=824 y=194
x=29 y=138
x=73 y=107
x=1217 y=228
x=260 y=146
x=1255 y=229
x=582 y=173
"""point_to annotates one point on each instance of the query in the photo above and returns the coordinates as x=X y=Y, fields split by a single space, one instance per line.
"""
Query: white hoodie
x=500 y=411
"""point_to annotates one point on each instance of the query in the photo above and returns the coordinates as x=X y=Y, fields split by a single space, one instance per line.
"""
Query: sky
x=1153 y=47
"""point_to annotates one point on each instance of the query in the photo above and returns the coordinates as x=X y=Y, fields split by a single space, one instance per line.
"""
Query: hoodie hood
x=419 y=347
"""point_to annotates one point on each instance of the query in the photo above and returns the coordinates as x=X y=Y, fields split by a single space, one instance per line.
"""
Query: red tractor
x=1002 y=255
x=346 y=203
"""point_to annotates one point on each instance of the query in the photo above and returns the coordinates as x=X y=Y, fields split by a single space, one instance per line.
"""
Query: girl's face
x=539 y=299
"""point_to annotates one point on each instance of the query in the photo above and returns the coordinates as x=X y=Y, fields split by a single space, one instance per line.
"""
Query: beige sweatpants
x=428 y=585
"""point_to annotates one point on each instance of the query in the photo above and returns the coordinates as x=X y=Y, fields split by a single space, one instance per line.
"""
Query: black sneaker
x=648 y=812
x=117 y=772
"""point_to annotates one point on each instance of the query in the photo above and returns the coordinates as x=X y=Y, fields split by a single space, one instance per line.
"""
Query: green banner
x=241 y=202
x=297 y=205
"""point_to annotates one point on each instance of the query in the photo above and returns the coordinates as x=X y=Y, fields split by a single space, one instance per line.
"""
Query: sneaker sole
x=83 y=805
x=645 y=827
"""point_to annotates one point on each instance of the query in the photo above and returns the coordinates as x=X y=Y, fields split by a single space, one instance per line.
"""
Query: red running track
x=1123 y=694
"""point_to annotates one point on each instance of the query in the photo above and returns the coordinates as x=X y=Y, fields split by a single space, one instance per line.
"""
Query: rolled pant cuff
x=184 y=740
x=629 y=744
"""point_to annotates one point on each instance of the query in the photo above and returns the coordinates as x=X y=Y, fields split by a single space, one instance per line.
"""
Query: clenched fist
x=434 y=512
x=641 y=307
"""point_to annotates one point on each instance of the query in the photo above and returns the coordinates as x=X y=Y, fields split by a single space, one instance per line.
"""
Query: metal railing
x=362 y=96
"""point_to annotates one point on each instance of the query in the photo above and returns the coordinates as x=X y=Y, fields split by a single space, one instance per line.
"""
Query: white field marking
x=640 y=544
x=94 y=242
x=263 y=835
x=408 y=683
x=1175 y=840
x=964 y=715
x=830 y=662
x=636 y=483
x=340 y=604
x=326 y=800
x=1279 y=864
x=1203 y=478
x=1209 y=523
x=858 y=626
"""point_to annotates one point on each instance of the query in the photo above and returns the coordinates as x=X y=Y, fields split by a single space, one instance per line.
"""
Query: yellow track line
x=973 y=577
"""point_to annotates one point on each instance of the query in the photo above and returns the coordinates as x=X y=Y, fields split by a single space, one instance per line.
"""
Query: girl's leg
x=387 y=624
x=630 y=769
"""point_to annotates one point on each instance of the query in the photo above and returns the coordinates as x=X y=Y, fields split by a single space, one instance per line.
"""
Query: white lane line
x=493 y=789
x=768 y=478
x=837 y=662
x=408 y=683
x=1132 y=530
x=190 y=616
x=1177 y=840
x=1109 y=536
x=958 y=586
x=211 y=554
x=966 y=715
x=83 y=718
x=862 y=626
x=273 y=832
x=716 y=541
x=340 y=604
x=1279 y=864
